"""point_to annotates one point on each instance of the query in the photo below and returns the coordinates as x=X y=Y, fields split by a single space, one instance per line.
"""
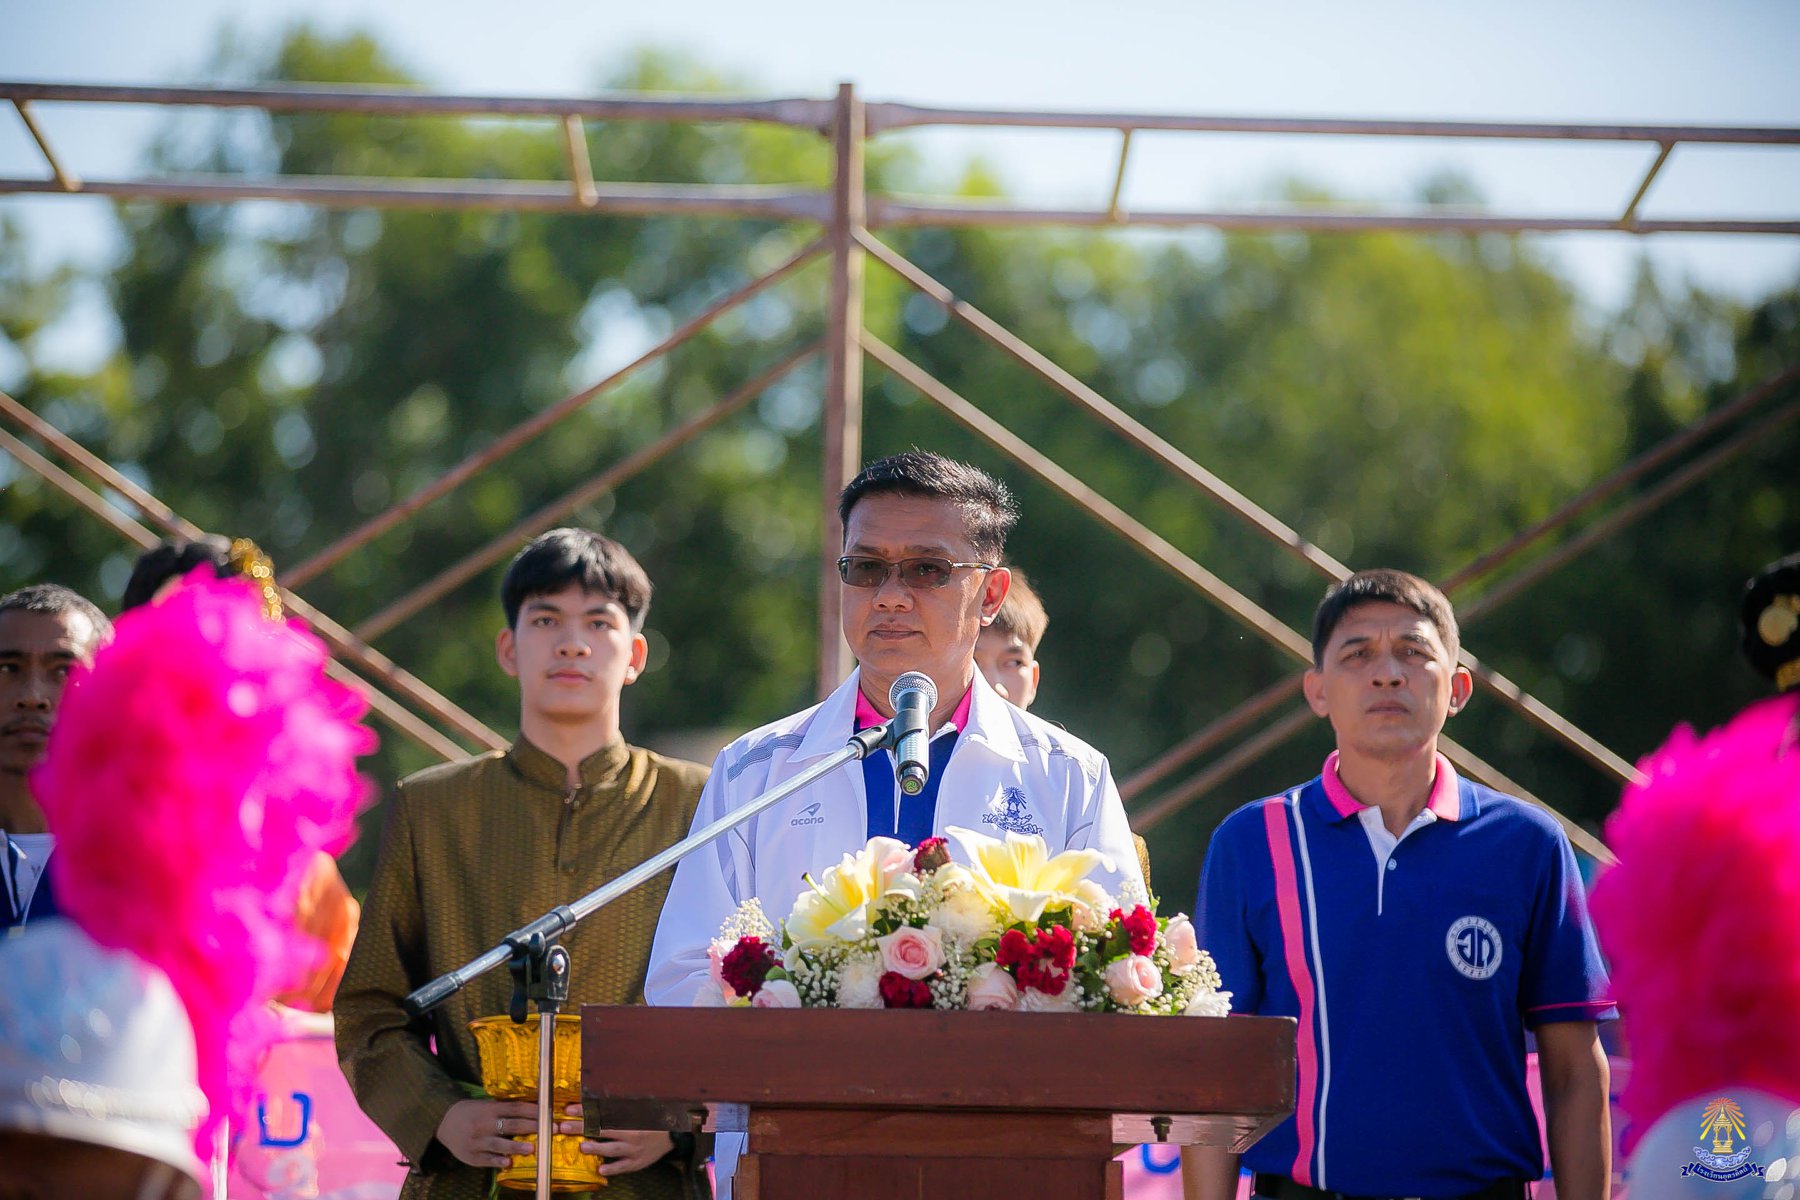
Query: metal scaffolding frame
x=849 y=216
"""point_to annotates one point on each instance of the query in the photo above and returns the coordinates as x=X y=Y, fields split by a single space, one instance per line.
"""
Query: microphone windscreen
x=913 y=681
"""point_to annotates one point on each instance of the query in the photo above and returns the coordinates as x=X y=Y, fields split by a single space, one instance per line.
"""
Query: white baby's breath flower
x=747 y=920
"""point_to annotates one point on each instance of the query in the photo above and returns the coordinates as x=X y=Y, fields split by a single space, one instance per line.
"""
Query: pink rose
x=1132 y=979
x=1090 y=910
x=990 y=986
x=912 y=953
x=715 y=964
x=777 y=993
x=1184 y=946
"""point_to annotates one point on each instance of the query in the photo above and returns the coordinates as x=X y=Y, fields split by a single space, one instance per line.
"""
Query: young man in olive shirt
x=474 y=849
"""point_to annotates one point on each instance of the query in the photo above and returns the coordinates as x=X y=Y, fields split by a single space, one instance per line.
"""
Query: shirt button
x=1393 y=864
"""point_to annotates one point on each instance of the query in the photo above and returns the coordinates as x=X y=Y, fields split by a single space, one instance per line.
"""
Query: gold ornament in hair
x=1777 y=622
x=248 y=560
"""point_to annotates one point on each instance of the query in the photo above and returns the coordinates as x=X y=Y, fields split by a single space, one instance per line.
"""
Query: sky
x=1663 y=61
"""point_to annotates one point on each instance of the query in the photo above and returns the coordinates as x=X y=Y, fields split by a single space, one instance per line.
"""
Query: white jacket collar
x=992 y=722
x=831 y=722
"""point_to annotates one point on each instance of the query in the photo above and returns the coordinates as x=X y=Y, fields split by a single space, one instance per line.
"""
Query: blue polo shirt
x=1413 y=970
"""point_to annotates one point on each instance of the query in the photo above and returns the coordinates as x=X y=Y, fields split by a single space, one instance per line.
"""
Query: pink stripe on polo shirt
x=1293 y=943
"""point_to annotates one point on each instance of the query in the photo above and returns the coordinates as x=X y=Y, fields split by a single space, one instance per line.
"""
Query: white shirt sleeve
x=708 y=886
x=1110 y=833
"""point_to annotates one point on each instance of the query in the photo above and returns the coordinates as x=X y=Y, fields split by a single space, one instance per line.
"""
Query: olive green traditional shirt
x=471 y=851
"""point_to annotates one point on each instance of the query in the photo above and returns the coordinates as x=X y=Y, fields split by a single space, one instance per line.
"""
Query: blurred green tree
x=285 y=373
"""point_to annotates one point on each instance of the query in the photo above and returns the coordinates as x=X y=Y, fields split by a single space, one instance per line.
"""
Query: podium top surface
x=924 y=1059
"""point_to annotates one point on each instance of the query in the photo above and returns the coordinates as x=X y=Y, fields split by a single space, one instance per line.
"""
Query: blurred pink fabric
x=307 y=1139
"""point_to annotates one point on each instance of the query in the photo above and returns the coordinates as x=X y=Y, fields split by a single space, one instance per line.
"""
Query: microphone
x=913 y=697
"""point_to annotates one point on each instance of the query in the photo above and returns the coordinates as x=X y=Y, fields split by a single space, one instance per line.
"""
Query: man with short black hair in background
x=45 y=630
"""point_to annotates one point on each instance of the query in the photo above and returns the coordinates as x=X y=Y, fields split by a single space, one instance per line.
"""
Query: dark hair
x=173 y=558
x=53 y=599
x=1382 y=586
x=987 y=507
x=552 y=561
x=1021 y=614
x=1771 y=617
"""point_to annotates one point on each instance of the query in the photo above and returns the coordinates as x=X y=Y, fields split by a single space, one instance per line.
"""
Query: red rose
x=1140 y=925
x=897 y=991
x=746 y=965
x=932 y=853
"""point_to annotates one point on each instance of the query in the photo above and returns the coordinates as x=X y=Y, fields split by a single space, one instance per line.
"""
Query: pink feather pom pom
x=193 y=775
x=1699 y=915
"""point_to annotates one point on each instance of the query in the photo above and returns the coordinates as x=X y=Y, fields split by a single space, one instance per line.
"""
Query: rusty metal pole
x=143 y=538
x=436 y=588
x=842 y=414
x=531 y=427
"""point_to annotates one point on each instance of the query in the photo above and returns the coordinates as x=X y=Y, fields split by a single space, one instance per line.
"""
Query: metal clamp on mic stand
x=540 y=973
x=541 y=966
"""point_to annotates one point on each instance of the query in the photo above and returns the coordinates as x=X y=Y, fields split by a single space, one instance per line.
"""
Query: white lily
x=840 y=905
x=1021 y=875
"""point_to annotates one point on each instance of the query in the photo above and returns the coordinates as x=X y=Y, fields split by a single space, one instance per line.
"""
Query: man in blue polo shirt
x=1415 y=924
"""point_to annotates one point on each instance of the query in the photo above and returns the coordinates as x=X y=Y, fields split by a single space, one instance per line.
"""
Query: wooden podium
x=888 y=1104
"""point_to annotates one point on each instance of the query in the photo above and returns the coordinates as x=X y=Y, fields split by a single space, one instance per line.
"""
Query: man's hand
x=625 y=1150
x=481 y=1132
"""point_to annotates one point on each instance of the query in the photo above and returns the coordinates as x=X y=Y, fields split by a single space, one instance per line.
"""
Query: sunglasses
x=864 y=571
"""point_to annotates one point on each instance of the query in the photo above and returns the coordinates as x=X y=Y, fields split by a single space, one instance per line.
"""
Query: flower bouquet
x=893 y=926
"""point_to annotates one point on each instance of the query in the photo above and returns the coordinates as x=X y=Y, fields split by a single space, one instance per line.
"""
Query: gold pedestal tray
x=509 y=1071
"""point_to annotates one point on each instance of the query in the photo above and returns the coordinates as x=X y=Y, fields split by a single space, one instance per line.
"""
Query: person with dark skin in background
x=45 y=632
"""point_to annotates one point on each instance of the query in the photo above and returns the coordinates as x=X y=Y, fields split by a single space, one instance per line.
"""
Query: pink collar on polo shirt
x=1444 y=803
x=867 y=716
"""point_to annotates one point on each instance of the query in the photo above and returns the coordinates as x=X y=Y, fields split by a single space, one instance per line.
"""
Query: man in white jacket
x=923 y=537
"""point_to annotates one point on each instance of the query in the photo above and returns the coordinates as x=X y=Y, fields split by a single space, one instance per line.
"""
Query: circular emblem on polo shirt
x=1474 y=946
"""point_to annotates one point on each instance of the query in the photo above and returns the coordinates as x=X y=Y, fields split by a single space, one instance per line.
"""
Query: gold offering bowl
x=509 y=1071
